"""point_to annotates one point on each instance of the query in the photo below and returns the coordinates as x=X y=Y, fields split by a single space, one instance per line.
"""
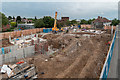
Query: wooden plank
x=20 y=67
x=21 y=70
x=31 y=72
x=34 y=77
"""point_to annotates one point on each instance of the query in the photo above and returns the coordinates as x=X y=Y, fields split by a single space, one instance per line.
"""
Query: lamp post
x=111 y=31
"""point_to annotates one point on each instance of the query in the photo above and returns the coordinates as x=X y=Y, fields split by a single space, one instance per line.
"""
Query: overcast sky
x=74 y=9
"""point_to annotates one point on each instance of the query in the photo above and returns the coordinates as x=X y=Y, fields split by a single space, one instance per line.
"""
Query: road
x=114 y=71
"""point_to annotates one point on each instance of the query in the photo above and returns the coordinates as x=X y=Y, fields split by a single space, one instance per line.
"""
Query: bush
x=11 y=29
x=13 y=24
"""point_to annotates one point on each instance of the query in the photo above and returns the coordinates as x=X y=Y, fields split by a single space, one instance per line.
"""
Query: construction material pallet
x=22 y=70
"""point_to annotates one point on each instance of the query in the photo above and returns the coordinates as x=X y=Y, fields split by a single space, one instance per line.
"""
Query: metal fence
x=106 y=66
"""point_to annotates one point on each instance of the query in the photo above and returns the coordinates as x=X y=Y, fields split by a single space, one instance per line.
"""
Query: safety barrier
x=106 y=65
x=13 y=34
x=47 y=30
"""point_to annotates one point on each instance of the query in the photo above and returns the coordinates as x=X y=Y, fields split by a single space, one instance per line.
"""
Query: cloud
x=60 y=0
x=74 y=10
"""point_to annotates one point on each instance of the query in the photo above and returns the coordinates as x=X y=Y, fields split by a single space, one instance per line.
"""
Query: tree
x=73 y=22
x=13 y=24
x=48 y=21
x=35 y=18
x=4 y=19
x=115 y=22
x=67 y=23
x=39 y=23
x=9 y=17
x=61 y=24
x=83 y=21
x=24 y=18
x=90 y=20
x=13 y=17
x=18 y=19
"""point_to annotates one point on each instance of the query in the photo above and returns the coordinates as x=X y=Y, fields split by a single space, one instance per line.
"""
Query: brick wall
x=109 y=27
x=13 y=34
x=85 y=26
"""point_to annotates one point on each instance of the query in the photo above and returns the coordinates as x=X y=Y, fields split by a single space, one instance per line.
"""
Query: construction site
x=69 y=53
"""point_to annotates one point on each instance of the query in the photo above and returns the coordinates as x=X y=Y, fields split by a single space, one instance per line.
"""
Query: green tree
x=90 y=20
x=13 y=24
x=67 y=23
x=115 y=22
x=13 y=17
x=24 y=18
x=11 y=29
x=18 y=19
x=48 y=21
x=35 y=18
x=73 y=22
x=4 y=19
x=61 y=24
x=39 y=23
x=83 y=21
x=9 y=17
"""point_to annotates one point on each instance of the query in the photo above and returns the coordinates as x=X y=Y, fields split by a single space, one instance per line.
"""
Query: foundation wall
x=17 y=54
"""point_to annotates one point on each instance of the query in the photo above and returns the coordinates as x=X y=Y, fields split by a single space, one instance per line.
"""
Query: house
x=63 y=20
x=26 y=20
x=100 y=22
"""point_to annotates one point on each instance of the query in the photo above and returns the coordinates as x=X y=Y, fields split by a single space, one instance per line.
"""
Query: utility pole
x=111 y=31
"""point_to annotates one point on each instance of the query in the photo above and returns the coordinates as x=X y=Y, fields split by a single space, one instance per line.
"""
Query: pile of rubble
x=77 y=57
x=19 y=70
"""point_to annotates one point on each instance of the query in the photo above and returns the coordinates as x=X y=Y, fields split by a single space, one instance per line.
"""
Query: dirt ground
x=78 y=57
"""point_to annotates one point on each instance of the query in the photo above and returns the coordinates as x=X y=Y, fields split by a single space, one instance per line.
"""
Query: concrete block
x=1 y=60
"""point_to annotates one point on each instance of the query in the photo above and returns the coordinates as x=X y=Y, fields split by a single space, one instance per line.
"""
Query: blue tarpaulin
x=3 y=52
x=47 y=30
x=17 y=39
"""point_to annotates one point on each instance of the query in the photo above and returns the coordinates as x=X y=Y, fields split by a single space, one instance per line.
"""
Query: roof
x=101 y=19
x=25 y=24
x=64 y=17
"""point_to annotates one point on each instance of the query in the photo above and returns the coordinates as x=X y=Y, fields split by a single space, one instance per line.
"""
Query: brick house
x=63 y=20
x=100 y=22
x=26 y=20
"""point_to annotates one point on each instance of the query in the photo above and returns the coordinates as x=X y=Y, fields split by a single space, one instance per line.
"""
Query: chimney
x=98 y=16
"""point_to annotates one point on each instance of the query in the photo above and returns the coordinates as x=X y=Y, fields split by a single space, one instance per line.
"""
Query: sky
x=75 y=9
